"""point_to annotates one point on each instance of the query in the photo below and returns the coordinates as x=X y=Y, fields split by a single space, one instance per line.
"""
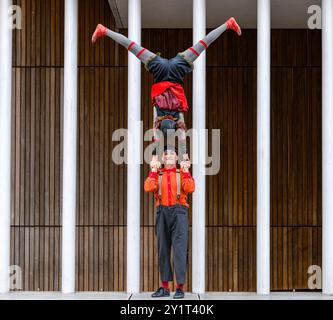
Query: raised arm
x=141 y=53
x=151 y=183
x=188 y=184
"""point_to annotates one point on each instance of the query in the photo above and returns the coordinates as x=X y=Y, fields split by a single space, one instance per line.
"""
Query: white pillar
x=5 y=142
x=263 y=147
x=69 y=141
x=199 y=146
x=327 y=140
x=134 y=151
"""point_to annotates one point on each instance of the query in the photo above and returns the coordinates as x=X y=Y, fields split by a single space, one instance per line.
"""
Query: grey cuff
x=148 y=61
x=181 y=54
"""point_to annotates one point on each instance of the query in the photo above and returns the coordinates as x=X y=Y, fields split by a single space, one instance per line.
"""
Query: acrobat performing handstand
x=170 y=186
x=167 y=95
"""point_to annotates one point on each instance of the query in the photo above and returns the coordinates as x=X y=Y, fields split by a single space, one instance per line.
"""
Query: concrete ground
x=146 y=296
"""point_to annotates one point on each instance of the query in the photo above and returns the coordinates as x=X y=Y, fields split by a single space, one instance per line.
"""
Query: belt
x=167 y=117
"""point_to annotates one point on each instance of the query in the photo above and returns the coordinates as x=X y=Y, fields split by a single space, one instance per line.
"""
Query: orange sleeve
x=151 y=183
x=188 y=184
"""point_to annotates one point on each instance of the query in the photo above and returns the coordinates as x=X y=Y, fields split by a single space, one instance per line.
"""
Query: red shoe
x=232 y=24
x=99 y=32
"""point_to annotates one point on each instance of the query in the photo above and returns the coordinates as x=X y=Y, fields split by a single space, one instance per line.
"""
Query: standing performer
x=167 y=95
x=171 y=188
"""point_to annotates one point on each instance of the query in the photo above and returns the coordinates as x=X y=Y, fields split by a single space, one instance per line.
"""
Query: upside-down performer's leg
x=141 y=53
x=192 y=53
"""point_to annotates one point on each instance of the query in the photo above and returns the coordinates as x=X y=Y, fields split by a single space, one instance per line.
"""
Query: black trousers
x=172 y=232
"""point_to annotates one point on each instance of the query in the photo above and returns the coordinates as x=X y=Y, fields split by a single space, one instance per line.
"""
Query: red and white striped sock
x=192 y=53
x=180 y=286
x=141 y=53
x=165 y=285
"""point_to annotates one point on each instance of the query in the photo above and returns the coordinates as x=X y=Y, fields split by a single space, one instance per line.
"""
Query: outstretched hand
x=185 y=165
x=155 y=164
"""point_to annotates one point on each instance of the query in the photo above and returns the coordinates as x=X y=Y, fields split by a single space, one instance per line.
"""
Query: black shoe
x=161 y=292
x=179 y=294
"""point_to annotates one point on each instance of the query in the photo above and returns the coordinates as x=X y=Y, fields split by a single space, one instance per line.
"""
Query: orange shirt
x=169 y=187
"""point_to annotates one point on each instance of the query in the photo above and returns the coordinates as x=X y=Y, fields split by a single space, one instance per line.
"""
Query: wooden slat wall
x=36 y=148
x=231 y=194
x=296 y=157
x=101 y=197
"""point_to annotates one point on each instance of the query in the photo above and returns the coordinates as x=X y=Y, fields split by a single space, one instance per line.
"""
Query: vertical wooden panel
x=296 y=158
x=36 y=177
x=101 y=239
x=231 y=107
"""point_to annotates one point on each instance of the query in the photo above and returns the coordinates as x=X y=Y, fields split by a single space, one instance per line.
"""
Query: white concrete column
x=69 y=151
x=5 y=141
x=199 y=147
x=263 y=146
x=327 y=140
x=134 y=185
